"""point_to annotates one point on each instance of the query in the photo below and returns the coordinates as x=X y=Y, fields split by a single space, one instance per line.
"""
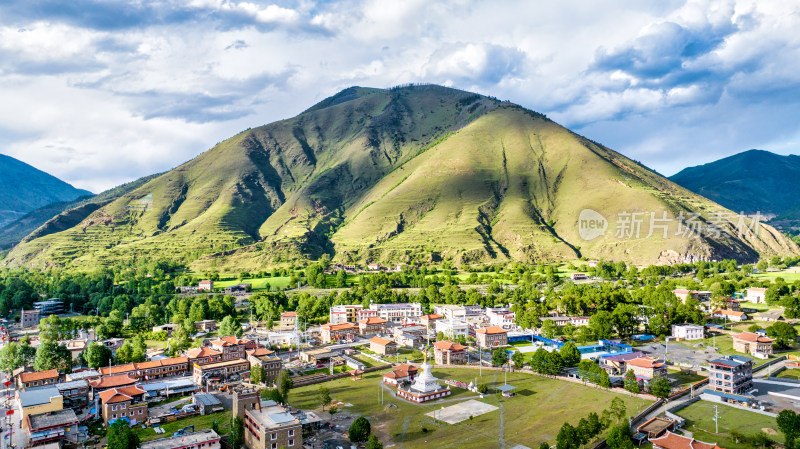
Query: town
x=652 y=354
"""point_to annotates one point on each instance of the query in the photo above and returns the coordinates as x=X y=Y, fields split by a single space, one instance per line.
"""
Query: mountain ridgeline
x=752 y=181
x=416 y=173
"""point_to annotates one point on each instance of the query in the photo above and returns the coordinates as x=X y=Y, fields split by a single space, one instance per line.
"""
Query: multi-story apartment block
x=372 y=325
x=127 y=403
x=398 y=313
x=645 y=368
x=271 y=364
x=752 y=343
x=232 y=347
x=155 y=369
x=490 y=337
x=203 y=439
x=271 y=427
x=447 y=352
x=687 y=331
x=452 y=328
x=501 y=317
x=228 y=370
x=731 y=374
x=350 y=313
x=37 y=378
x=336 y=332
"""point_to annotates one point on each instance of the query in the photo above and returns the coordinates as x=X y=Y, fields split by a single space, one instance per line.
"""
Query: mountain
x=752 y=181
x=414 y=173
x=61 y=215
x=24 y=189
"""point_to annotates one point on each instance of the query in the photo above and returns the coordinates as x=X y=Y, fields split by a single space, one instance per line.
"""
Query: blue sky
x=100 y=92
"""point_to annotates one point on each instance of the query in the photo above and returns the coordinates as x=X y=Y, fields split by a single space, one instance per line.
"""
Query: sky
x=101 y=92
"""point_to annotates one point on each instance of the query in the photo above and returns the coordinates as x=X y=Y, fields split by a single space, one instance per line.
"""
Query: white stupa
x=426 y=387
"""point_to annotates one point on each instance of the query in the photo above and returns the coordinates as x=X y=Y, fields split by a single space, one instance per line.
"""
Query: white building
x=687 y=331
x=501 y=317
x=350 y=313
x=398 y=313
x=452 y=312
x=756 y=295
x=452 y=329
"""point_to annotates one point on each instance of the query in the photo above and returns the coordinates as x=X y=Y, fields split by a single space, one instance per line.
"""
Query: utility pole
x=716 y=420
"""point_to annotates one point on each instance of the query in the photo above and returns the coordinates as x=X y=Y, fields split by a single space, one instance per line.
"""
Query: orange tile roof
x=289 y=314
x=112 y=381
x=143 y=365
x=373 y=320
x=492 y=330
x=674 y=441
x=121 y=394
x=380 y=341
x=447 y=345
x=433 y=316
x=339 y=327
x=403 y=370
x=645 y=362
x=729 y=313
x=38 y=375
x=758 y=289
x=752 y=337
x=258 y=352
x=205 y=351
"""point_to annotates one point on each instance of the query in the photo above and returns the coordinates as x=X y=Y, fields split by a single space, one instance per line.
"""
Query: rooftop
x=273 y=417
x=191 y=439
x=223 y=364
x=752 y=337
x=53 y=419
x=207 y=399
x=492 y=330
x=37 y=396
x=731 y=360
x=674 y=441
x=38 y=375
x=113 y=381
x=121 y=394
x=380 y=341
x=447 y=345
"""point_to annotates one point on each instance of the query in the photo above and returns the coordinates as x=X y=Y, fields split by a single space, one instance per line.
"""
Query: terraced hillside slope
x=405 y=174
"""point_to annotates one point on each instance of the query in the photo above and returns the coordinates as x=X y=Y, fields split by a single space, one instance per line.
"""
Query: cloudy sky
x=100 y=92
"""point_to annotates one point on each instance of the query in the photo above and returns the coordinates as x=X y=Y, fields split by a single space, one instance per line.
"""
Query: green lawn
x=787 y=276
x=366 y=360
x=223 y=420
x=258 y=283
x=684 y=379
x=790 y=373
x=699 y=421
x=534 y=415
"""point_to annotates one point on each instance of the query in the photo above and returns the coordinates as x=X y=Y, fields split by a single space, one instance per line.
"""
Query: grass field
x=791 y=373
x=684 y=379
x=534 y=415
x=276 y=283
x=788 y=276
x=699 y=421
x=223 y=420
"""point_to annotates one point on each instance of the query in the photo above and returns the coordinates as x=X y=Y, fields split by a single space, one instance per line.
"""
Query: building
x=38 y=400
x=75 y=393
x=28 y=318
x=756 y=295
x=205 y=325
x=452 y=329
x=271 y=427
x=398 y=313
x=411 y=335
x=203 y=355
x=271 y=364
x=729 y=315
x=205 y=286
x=656 y=426
x=769 y=316
x=109 y=382
x=578 y=277
x=687 y=331
x=112 y=343
x=382 y=346
x=752 y=343
x=731 y=374
x=50 y=307
x=424 y=388
x=154 y=369
x=337 y=332
x=501 y=317
x=617 y=363
x=372 y=325
x=229 y=370
x=563 y=320
x=646 y=368
x=289 y=319
x=87 y=375
x=169 y=388
x=238 y=289
x=400 y=374
x=446 y=352
x=52 y=427
x=232 y=347
x=684 y=294
x=169 y=328
x=429 y=320
x=37 y=378
x=674 y=441
x=207 y=403
x=348 y=313
x=452 y=312
x=202 y=439
x=125 y=403
x=316 y=356
x=492 y=337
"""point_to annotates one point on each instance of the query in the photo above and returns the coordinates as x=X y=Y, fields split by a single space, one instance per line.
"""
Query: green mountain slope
x=24 y=189
x=751 y=181
x=405 y=174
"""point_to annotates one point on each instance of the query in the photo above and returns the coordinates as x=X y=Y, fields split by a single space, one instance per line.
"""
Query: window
x=273 y=436
x=274 y=445
x=291 y=442
x=291 y=432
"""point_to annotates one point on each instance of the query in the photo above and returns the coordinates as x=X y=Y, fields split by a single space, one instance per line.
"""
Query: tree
x=124 y=354
x=120 y=436
x=789 y=424
x=499 y=357
x=602 y=325
x=257 y=374
x=229 y=326
x=659 y=387
x=51 y=355
x=324 y=396
x=631 y=384
x=519 y=359
x=568 y=437
x=784 y=333
x=553 y=363
x=285 y=383
x=569 y=354
x=549 y=329
x=97 y=355
x=15 y=355
x=618 y=409
x=753 y=328
x=539 y=360
x=114 y=323
x=373 y=442
x=619 y=437
x=237 y=433
x=360 y=430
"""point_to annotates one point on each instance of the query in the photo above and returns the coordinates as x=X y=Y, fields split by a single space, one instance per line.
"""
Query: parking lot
x=679 y=354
